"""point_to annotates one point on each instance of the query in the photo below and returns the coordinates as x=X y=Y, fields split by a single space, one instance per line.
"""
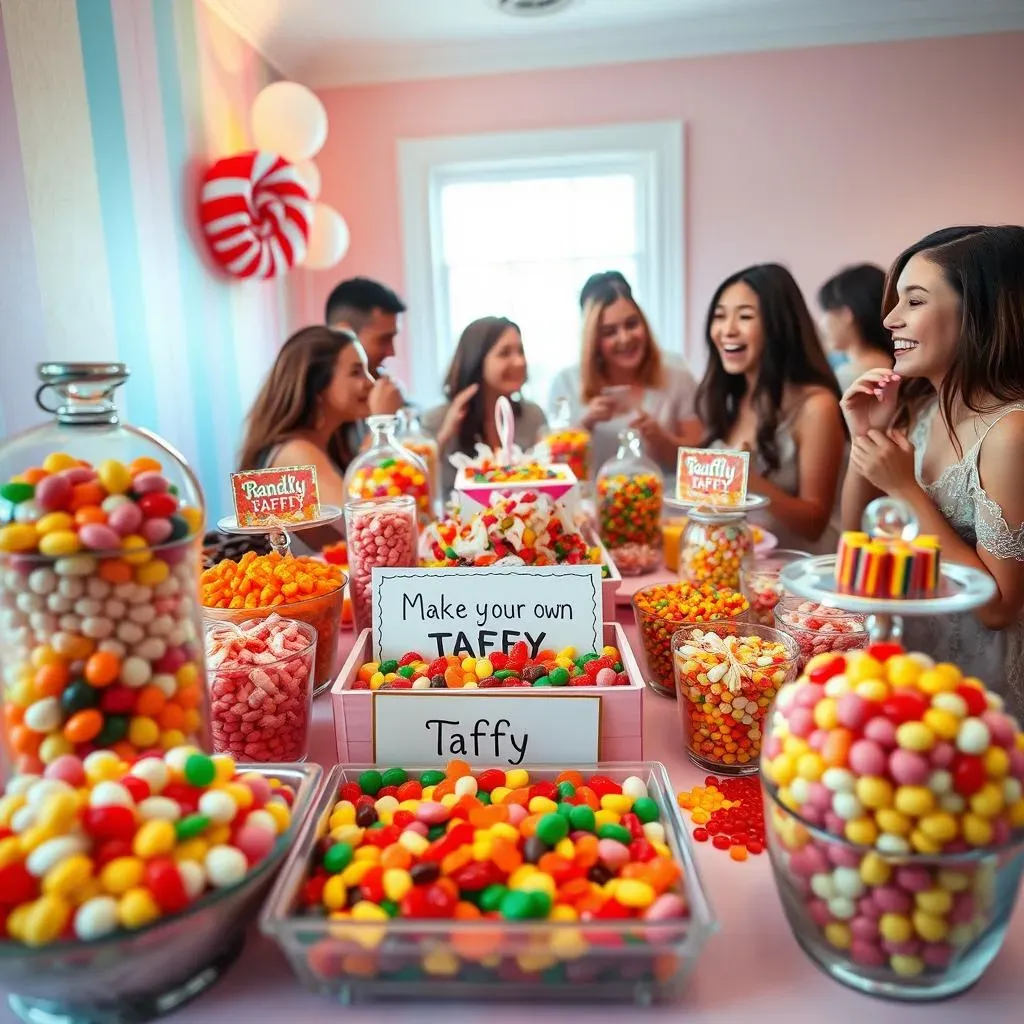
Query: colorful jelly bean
x=726 y=677
x=97 y=846
x=728 y=813
x=661 y=609
x=629 y=520
x=97 y=603
x=489 y=472
x=571 y=447
x=820 y=630
x=712 y=550
x=516 y=669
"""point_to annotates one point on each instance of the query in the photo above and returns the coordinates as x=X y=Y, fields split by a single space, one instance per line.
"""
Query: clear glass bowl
x=261 y=710
x=641 y=962
x=913 y=927
x=656 y=631
x=760 y=584
x=323 y=613
x=724 y=719
x=130 y=978
x=820 y=630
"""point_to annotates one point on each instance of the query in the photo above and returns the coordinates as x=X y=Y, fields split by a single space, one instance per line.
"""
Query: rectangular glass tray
x=358 y=962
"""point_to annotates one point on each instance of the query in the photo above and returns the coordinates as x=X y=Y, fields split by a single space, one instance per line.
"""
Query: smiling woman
x=945 y=433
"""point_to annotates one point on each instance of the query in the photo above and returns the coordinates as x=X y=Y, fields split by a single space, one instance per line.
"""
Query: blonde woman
x=623 y=380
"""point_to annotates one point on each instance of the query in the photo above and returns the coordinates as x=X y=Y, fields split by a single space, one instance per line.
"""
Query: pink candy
x=260 y=679
x=820 y=630
x=380 y=533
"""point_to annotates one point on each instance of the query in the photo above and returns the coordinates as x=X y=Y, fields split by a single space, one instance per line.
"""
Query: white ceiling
x=325 y=43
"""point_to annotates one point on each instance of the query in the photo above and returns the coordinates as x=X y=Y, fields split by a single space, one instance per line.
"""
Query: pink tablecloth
x=751 y=970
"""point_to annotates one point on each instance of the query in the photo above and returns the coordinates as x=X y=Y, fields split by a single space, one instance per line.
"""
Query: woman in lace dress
x=944 y=432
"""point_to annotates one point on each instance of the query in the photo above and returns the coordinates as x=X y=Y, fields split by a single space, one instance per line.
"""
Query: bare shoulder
x=813 y=405
x=1002 y=449
x=299 y=452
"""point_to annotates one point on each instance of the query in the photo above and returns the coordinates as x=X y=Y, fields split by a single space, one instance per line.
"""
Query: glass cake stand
x=752 y=503
x=279 y=532
x=961 y=589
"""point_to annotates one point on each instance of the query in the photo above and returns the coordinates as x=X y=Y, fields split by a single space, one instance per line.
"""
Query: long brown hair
x=467 y=367
x=593 y=373
x=287 y=402
x=985 y=267
x=792 y=355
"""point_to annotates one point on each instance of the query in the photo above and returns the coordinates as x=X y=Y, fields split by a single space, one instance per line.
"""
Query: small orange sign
x=712 y=477
x=264 y=497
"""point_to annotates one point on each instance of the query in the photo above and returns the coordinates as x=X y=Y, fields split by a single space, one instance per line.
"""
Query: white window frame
x=653 y=152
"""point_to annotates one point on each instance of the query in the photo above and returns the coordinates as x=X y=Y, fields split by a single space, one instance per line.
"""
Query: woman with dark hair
x=768 y=388
x=624 y=380
x=316 y=390
x=944 y=432
x=851 y=322
x=489 y=362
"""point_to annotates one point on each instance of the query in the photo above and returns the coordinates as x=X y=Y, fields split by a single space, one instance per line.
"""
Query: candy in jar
x=760 y=582
x=387 y=469
x=818 y=629
x=100 y=624
x=411 y=437
x=568 y=444
x=629 y=495
x=713 y=547
x=381 y=532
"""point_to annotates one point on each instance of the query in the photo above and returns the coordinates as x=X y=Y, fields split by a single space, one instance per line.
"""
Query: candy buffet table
x=751 y=970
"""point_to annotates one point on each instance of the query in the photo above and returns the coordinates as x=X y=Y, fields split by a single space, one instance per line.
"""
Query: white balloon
x=328 y=238
x=310 y=175
x=288 y=119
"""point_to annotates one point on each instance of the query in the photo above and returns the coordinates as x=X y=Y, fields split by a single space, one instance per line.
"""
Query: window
x=512 y=225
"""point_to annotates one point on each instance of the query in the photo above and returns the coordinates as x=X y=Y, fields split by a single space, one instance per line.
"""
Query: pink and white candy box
x=621 y=716
x=476 y=496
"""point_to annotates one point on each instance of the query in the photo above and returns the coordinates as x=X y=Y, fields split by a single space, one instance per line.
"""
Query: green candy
x=491 y=897
x=552 y=829
x=115 y=728
x=618 y=667
x=646 y=809
x=191 y=826
x=338 y=857
x=543 y=681
x=389 y=666
x=566 y=790
x=582 y=819
x=540 y=904
x=437 y=832
x=617 y=832
x=387 y=463
x=17 y=492
x=559 y=677
x=179 y=528
x=517 y=905
x=78 y=697
x=370 y=782
x=200 y=770
x=565 y=810
x=390 y=907
x=406 y=671
x=395 y=777
x=504 y=673
x=589 y=657
x=431 y=778
x=484 y=798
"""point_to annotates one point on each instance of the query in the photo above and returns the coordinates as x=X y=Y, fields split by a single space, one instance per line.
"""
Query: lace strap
x=995 y=535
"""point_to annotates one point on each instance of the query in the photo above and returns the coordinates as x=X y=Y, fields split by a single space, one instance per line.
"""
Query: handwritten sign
x=712 y=477
x=485 y=727
x=474 y=612
x=264 y=497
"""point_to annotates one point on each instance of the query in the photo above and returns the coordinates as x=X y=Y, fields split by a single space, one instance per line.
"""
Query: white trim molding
x=653 y=152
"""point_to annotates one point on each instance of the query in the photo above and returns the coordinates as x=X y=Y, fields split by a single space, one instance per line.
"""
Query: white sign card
x=475 y=612
x=485 y=727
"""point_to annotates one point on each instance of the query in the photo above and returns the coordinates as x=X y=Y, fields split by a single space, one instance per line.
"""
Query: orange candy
x=267 y=581
x=113 y=570
x=83 y=726
x=50 y=680
x=102 y=668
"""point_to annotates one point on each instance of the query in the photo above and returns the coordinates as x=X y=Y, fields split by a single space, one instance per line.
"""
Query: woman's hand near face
x=600 y=409
x=455 y=415
x=870 y=402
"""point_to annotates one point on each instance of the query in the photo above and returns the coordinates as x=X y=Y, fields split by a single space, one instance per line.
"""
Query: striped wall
x=110 y=111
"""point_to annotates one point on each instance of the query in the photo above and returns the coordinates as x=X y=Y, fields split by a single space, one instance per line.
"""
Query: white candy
x=262 y=819
x=43 y=622
x=225 y=866
x=837 y=686
x=98 y=588
x=97 y=627
x=27 y=602
x=889 y=843
x=114 y=608
x=847 y=806
x=115 y=647
x=130 y=632
x=27 y=512
x=177 y=757
x=823 y=887
x=77 y=565
x=166 y=684
x=423 y=683
x=19 y=784
x=86 y=606
x=1012 y=790
x=23 y=819
x=44 y=716
x=940 y=782
x=59 y=604
x=161 y=626
x=135 y=672
x=218 y=806
x=842 y=908
x=951 y=702
x=152 y=649
x=110 y=794
x=48 y=855
x=995 y=702
x=973 y=737
x=960 y=935
x=465 y=786
x=142 y=614
x=634 y=787
x=847 y=882
x=101 y=763
x=71 y=588
x=141 y=594
x=923 y=660
x=42 y=581
x=44 y=789
x=183 y=633
x=193 y=877
x=839 y=780
x=152 y=770
x=114 y=501
x=654 y=832
x=161 y=808
x=96 y=917
x=952 y=803
x=71 y=623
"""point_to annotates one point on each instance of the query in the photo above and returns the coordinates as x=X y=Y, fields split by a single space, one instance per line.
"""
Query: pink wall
x=812 y=157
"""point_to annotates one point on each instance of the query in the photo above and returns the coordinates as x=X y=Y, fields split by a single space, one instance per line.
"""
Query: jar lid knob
x=85 y=390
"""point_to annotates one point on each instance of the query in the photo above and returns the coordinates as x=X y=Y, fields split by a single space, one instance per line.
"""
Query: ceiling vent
x=531 y=8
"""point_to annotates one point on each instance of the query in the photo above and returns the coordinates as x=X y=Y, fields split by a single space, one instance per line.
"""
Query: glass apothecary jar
x=568 y=444
x=412 y=437
x=101 y=526
x=387 y=469
x=713 y=547
x=629 y=496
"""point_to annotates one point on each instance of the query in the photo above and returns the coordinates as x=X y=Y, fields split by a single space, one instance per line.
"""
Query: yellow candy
x=862 y=831
x=874 y=792
x=542 y=805
x=915 y=736
x=810 y=766
x=838 y=934
x=281 y=815
x=875 y=870
x=943 y=723
x=988 y=802
x=335 y=894
x=484 y=669
x=143 y=732
x=135 y=550
x=153 y=573
x=826 y=713
x=195 y=849
x=59 y=543
x=44 y=920
x=895 y=928
x=370 y=853
x=355 y=872
x=156 y=838
x=517 y=778
x=934 y=901
x=18 y=537
x=939 y=827
x=137 y=908
x=54 y=521
x=997 y=762
x=121 y=875
x=903 y=670
x=873 y=689
x=441 y=962
x=862 y=667
x=114 y=476
x=914 y=801
x=617 y=803
x=56 y=462
x=68 y=876
x=632 y=892
x=906 y=966
x=976 y=830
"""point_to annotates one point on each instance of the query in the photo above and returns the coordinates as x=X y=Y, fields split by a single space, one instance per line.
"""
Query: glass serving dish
x=819 y=629
x=132 y=977
x=909 y=927
x=760 y=583
x=643 y=962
